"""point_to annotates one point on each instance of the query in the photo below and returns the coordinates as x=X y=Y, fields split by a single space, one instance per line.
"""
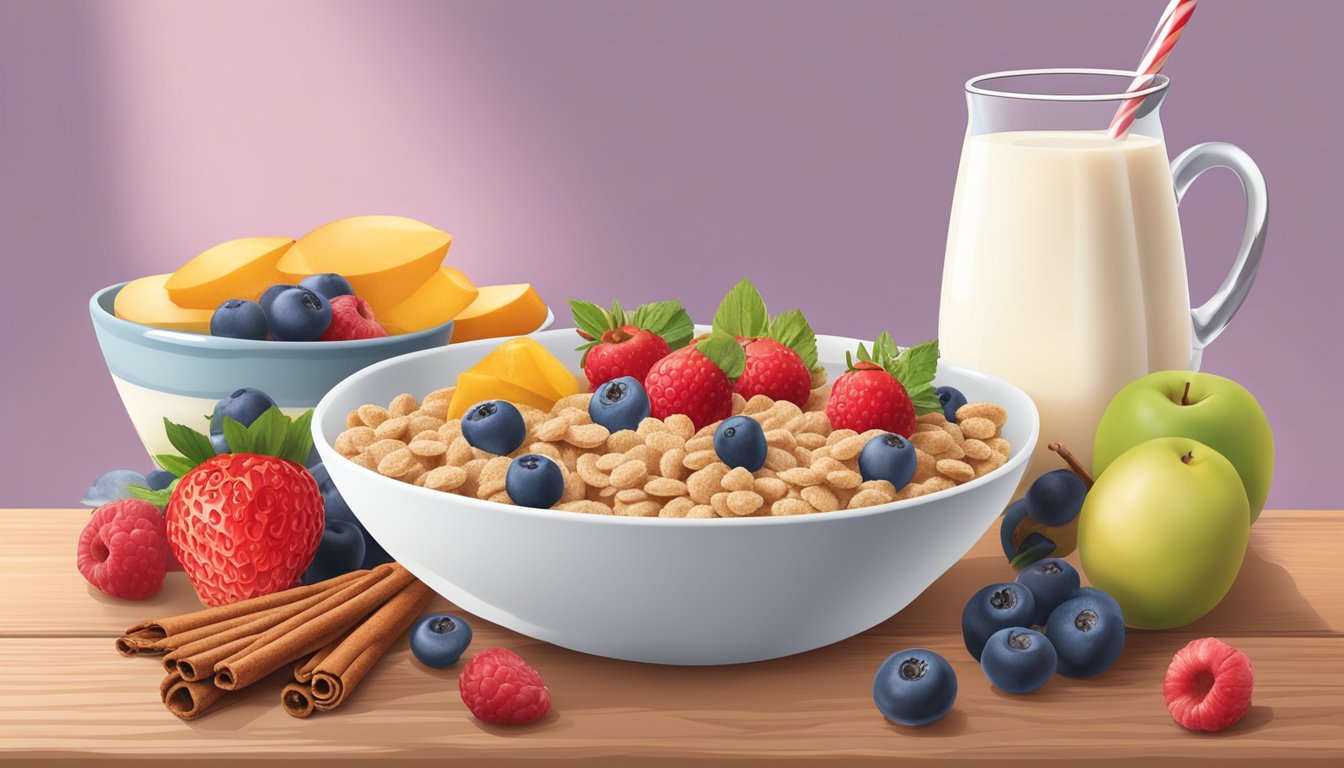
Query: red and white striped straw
x=1164 y=38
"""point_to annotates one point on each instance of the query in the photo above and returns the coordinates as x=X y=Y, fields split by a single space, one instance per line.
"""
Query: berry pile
x=320 y=308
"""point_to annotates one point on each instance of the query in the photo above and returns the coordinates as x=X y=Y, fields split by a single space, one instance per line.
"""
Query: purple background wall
x=645 y=149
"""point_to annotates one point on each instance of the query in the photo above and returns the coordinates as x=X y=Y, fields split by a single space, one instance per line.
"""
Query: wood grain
x=66 y=694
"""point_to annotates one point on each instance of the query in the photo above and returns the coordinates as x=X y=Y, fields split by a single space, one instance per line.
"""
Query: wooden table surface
x=66 y=696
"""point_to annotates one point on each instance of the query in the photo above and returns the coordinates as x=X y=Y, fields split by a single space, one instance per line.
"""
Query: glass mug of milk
x=1064 y=270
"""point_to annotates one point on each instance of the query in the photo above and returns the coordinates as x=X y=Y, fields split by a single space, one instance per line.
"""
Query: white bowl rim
x=396 y=486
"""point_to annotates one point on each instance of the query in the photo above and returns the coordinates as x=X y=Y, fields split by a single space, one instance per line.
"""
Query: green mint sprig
x=743 y=313
x=914 y=367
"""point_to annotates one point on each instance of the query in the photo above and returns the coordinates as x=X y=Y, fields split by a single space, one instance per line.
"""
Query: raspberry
x=499 y=687
x=352 y=318
x=1208 y=685
x=123 y=551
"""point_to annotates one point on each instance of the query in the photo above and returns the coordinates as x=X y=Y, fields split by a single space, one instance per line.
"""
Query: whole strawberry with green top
x=246 y=523
x=618 y=345
x=886 y=389
x=780 y=351
x=696 y=380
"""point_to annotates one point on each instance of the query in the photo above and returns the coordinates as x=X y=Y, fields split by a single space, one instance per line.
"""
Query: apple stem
x=1185 y=396
x=1188 y=457
x=1073 y=462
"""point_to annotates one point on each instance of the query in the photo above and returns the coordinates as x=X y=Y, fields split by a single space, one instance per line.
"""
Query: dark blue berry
x=1018 y=660
x=740 y=442
x=952 y=399
x=888 y=457
x=494 y=426
x=993 y=608
x=534 y=481
x=239 y=319
x=298 y=314
x=340 y=551
x=1088 y=632
x=439 y=640
x=1056 y=498
x=336 y=509
x=220 y=444
x=159 y=479
x=112 y=486
x=915 y=687
x=329 y=285
x=243 y=406
x=268 y=296
x=1051 y=581
x=619 y=404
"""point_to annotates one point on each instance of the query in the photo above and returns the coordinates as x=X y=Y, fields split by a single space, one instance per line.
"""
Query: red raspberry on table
x=499 y=687
x=123 y=551
x=1208 y=685
x=352 y=318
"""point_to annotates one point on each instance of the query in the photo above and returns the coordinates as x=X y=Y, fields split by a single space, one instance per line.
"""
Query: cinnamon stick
x=303 y=670
x=189 y=699
x=341 y=671
x=310 y=630
x=297 y=699
x=147 y=634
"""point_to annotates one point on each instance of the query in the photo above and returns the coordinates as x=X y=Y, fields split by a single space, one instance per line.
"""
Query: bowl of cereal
x=671 y=568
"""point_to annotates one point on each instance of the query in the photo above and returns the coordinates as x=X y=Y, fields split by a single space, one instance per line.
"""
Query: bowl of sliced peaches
x=642 y=488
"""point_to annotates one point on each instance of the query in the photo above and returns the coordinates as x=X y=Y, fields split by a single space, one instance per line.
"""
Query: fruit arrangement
x=355 y=278
x=678 y=435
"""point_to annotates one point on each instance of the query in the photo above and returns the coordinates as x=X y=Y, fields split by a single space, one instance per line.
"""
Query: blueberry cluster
x=284 y=312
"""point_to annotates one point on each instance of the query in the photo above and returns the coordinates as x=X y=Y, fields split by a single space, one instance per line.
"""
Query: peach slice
x=446 y=293
x=473 y=388
x=525 y=362
x=385 y=258
x=146 y=301
x=237 y=269
x=500 y=310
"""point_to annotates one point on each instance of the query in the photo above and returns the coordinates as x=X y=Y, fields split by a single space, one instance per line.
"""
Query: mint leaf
x=724 y=351
x=178 y=465
x=791 y=330
x=298 y=442
x=667 y=319
x=590 y=318
x=742 y=312
x=885 y=350
x=915 y=369
x=191 y=444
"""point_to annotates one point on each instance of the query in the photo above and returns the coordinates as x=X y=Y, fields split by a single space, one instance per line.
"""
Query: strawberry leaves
x=743 y=314
x=725 y=352
x=914 y=368
x=664 y=318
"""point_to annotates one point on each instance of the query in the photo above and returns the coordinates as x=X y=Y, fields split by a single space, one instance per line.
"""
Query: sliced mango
x=445 y=294
x=238 y=269
x=500 y=310
x=528 y=364
x=385 y=258
x=146 y=301
x=473 y=388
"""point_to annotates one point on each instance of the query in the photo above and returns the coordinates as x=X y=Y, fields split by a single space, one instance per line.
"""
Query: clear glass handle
x=1211 y=317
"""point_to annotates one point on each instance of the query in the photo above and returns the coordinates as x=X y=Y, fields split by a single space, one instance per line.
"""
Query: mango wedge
x=385 y=258
x=443 y=296
x=237 y=269
x=528 y=364
x=500 y=310
x=146 y=301
x=473 y=388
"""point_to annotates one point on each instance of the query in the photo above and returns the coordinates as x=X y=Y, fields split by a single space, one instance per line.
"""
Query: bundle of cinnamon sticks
x=332 y=632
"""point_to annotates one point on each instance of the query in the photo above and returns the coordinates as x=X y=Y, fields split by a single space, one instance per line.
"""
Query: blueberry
x=1012 y=518
x=740 y=442
x=322 y=476
x=159 y=479
x=1088 y=632
x=619 y=404
x=439 y=640
x=329 y=285
x=494 y=426
x=220 y=444
x=1019 y=660
x=534 y=481
x=268 y=296
x=340 y=551
x=239 y=319
x=952 y=399
x=1051 y=581
x=336 y=509
x=888 y=457
x=243 y=406
x=111 y=486
x=915 y=687
x=298 y=314
x=993 y=608
x=1055 y=498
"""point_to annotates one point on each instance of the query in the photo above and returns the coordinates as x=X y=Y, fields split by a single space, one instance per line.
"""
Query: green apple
x=1164 y=530
x=1215 y=411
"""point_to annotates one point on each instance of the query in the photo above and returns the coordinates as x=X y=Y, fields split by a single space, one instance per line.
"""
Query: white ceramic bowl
x=668 y=591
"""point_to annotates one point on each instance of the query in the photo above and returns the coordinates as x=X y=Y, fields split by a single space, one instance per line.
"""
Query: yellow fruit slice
x=500 y=310
x=445 y=294
x=146 y=301
x=238 y=269
x=528 y=364
x=385 y=258
x=473 y=388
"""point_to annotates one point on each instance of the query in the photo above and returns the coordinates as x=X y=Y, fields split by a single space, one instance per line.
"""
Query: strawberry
x=780 y=351
x=617 y=346
x=696 y=380
x=246 y=523
x=885 y=390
